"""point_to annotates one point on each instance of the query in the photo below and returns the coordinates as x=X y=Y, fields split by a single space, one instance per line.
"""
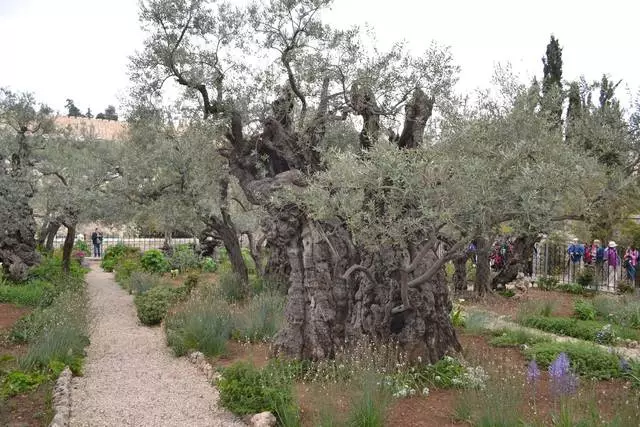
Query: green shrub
x=261 y=318
x=141 y=282
x=81 y=245
x=584 y=310
x=247 y=390
x=114 y=253
x=516 y=337
x=231 y=287
x=572 y=288
x=184 y=258
x=547 y=283
x=507 y=293
x=18 y=382
x=125 y=266
x=625 y=288
x=536 y=308
x=586 y=278
x=191 y=282
x=152 y=306
x=583 y=329
x=208 y=265
x=154 y=261
x=200 y=326
x=259 y=285
x=586 y=359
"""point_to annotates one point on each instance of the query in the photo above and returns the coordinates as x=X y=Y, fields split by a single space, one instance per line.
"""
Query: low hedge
x=588 y=330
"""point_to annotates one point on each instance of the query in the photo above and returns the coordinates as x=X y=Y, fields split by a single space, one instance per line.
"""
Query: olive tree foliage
x=598 y=125
x=492 y=165
x=282 y=86
x=24 y=127
x=173 y=174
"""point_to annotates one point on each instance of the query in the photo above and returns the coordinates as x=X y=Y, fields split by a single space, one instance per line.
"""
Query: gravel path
x=130 y=376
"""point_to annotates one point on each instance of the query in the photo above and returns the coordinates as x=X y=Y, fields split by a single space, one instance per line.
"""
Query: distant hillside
x=93 y=128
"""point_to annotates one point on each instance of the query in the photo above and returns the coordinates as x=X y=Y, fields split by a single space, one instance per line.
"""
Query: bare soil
x=9 y=313
x=509 y=306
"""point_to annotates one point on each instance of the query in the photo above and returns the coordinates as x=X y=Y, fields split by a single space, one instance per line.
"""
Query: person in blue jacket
x=576 y=252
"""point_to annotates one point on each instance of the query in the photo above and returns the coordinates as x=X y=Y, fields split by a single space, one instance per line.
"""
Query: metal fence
x=553 y=260
x=142 y=243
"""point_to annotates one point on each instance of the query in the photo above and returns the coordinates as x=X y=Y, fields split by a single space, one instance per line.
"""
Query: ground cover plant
x=52 y=335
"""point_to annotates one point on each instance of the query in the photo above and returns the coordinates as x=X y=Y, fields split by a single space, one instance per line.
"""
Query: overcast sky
x=79 y=49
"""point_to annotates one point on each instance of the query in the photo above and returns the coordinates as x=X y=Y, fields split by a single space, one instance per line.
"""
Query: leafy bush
x=18 y=382
x=572 y=288
x=458 y=316
x=203 y=326
x=625 y=288
x=154 y=261
x=507 y=293
x=584 y=310
x=586 y=359
x=191 y=282
x=231 y=287
x=516 y=337
x=152 y=306
x=141 y=282
x=184 y=258
x=259 y=285
x=82 y=245
x=125 y=266
x=114 y=253
x=247 y=390
x=208 y=265
x=586 y=278
x=536 y=308
x=261 y=317
x=547 y=283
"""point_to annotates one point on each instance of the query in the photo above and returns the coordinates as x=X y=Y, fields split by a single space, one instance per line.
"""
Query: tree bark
x=460 y=273
x=52 y=230
x=483 y=270
x=518 y=261
x=67 y=248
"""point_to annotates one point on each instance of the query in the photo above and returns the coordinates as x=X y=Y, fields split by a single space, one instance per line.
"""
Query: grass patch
x=32 y=294
x=201 y=326
x=586 y=359
x=261 y=318
x=516 y=337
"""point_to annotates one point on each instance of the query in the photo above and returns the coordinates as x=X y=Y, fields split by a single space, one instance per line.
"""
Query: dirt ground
x=9 y=313
x=562 y=302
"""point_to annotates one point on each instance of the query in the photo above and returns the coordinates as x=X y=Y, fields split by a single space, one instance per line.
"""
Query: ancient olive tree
x=23 y=134
x=275 y=83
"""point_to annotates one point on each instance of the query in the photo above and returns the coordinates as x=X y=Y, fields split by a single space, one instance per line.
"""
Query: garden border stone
x=62 y=399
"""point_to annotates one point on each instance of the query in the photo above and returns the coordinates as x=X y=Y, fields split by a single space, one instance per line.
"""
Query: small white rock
x=263 y=419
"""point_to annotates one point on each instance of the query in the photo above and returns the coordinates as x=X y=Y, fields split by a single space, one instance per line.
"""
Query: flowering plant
x=79 y=254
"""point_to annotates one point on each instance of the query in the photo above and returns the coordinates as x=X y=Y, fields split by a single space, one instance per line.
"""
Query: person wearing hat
x=576 y=252
x=613 y=261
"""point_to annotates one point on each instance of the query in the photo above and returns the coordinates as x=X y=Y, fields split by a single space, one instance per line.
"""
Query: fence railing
x=552 y=260
x=142 y=243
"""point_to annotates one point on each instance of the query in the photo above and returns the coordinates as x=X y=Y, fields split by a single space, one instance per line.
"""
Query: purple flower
x=563 y=382
x=533 y=373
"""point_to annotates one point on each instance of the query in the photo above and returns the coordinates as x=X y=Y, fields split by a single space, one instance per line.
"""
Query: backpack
x=600 y=254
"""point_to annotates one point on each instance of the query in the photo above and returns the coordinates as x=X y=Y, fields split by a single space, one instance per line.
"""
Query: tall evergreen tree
x=552 y=96
x=72 y=110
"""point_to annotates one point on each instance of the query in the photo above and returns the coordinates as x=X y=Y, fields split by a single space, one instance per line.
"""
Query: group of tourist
x=601 y=257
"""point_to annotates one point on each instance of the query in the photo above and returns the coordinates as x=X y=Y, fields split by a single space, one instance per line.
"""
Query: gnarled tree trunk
x=460 y=273
x=67 y=247
x=519 y=261
x=483 y=270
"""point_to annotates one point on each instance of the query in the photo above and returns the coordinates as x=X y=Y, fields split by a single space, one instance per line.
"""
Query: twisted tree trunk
x=67 y=247
x=460 y=273
x=483 y=270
